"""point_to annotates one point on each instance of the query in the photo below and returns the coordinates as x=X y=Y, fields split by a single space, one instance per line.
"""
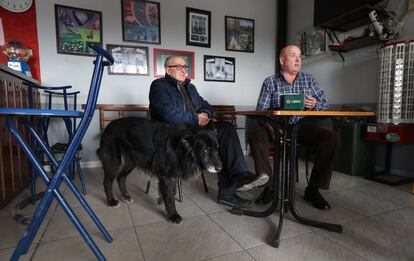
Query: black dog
x=167 y=151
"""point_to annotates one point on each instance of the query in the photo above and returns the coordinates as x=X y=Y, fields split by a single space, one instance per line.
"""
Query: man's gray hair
x=167 y=61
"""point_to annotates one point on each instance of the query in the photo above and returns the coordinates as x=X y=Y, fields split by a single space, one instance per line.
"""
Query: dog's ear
x=186 y=141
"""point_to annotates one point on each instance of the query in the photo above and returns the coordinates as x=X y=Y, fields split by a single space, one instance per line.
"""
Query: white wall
x=251 y=68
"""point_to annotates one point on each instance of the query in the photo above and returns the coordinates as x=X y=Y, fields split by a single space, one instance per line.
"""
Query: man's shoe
x=315 y=198
x=233 y=201
x=249 y=180
x=265 y=197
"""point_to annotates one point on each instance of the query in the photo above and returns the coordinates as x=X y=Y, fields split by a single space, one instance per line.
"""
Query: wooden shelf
x=355 y=44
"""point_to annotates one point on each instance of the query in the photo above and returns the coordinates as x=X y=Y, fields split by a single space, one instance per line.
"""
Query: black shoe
x=315 y=198
x=265 y=197
x=233 y=201
x=249 y=180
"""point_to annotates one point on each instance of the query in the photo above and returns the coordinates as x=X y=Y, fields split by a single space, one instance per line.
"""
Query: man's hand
x=203 y=119
x=310 y=102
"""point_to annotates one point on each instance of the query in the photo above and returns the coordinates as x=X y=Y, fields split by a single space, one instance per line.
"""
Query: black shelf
x=355 y=44
x=351 y=20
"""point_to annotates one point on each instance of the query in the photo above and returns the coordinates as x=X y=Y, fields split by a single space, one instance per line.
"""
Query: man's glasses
x=178 y=67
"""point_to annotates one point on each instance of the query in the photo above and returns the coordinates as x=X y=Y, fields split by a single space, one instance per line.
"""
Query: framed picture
x=312 y=41
x=141 y=21
x=129 y=60
x=76 y=28
x=161 y=54
x=198 y=27
x=239 y=34
x=219 y=69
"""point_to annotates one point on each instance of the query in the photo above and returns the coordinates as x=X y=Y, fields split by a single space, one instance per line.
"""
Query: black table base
x=284 y=182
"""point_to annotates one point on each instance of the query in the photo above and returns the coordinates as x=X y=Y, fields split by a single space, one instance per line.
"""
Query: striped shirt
x=274 y=86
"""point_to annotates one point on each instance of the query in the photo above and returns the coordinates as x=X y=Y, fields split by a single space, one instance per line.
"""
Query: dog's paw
x=176 y=218
x=114 y=203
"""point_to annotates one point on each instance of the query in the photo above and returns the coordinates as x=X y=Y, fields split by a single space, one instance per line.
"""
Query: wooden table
x=284 y=182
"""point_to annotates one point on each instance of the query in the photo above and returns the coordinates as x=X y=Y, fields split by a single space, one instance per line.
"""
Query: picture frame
x=198 y=27
x=219 y=68
x=239 y=33
x=141 y=21
x=128 y=60
x=161 y=54
x=76 y=28
x=312 y=42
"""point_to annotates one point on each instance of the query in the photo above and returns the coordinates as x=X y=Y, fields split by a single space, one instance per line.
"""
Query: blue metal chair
x=70 y=124
x=62 y=167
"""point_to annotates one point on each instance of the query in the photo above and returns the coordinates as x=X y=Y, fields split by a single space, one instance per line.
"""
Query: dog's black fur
x=167 y=151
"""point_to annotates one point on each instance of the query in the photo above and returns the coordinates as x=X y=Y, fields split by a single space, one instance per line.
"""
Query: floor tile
x=112 y=218
x=400 y=218
x=5 y=254
x=125 y=246
x=388 y=193
x=238 y=256
x=251 y=231
x=11 y=231
x=309 y=247
x=360 y=202
x=146 y=210
x=336 y=214
x=197 y=238
x=375 y=240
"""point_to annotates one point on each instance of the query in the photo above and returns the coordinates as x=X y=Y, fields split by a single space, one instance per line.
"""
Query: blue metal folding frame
x=62 y=167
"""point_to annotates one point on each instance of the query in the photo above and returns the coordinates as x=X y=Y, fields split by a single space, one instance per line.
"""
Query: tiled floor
x=378 y=225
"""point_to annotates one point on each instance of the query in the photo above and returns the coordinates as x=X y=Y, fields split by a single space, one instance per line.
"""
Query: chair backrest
x=110 y=112
x=224 y=113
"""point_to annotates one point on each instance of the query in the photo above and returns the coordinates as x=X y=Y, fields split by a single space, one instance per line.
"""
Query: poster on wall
x=76 y=28
x=312 y=41
x=141 y=21
x=198 y=27
x=239 y=34
x=128 y=60
x=219 y=69
x=161 y=54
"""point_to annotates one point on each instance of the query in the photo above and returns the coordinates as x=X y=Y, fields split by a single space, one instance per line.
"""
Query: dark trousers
x=231 y=156
x=324 y=142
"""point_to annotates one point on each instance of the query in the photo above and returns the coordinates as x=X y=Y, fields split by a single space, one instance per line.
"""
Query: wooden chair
x=224 y=113
x=110 y=112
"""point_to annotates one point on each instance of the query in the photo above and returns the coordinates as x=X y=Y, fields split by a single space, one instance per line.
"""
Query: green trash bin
x=357 y=155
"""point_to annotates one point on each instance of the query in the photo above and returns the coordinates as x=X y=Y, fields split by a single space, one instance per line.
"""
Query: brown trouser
x=324 y=142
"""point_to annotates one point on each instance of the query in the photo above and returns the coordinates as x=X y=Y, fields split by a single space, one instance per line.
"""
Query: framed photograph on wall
x=312 y=41
x=239 y=34
x=161 y=54
x=198 y=27
x=141 y=21
x=129 y=60
x=76 y=28
x=219 y=69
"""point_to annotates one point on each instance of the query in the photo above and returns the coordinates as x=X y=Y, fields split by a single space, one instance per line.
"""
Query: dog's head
x=205 y=149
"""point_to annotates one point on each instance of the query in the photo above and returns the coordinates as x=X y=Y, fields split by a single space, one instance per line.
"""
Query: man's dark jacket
x=167 y=102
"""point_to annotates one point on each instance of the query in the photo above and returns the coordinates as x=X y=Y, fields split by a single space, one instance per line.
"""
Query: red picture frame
x=161 y=54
